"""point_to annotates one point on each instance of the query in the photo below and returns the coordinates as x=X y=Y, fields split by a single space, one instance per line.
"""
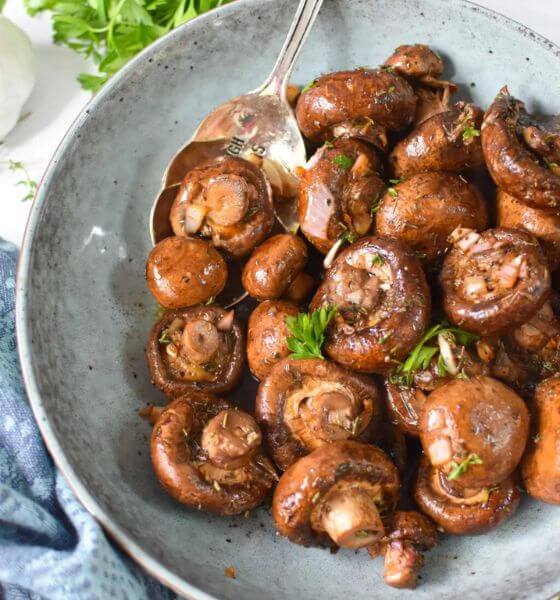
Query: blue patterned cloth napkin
x=50 y=547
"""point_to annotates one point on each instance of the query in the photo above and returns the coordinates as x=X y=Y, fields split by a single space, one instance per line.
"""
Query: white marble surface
x=57 y=99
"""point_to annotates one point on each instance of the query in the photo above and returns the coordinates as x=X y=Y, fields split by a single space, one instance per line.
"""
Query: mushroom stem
x=352 y=520
x=402 y=564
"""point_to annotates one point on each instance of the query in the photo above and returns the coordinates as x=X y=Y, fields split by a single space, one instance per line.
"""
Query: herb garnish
x=25 y=181
x=377 y=260
x=374 y=205
x=343 y=161
x=458 y=469
x=164 y=337
x=308 y=86
x=308 y=332
x=391 y=89
x=329 y=144
x=469 y=132
x=421 y=355
x=348 y=236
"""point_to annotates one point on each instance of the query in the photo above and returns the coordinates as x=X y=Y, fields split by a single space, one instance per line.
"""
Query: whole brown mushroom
x=336 y=495
x=196 y=348
x=425 y=209
x=464 y=512
x=522 y=152
x=338 y=191
x=273 y=266
x=385 y=98
x=267 y=335
x=448 y=141
x=543 y=224
x=494 y=281
x=208 y=455
x=383 y=304
x=474 y=431
x=303 y=404
x=184 y=271
x=228 y=200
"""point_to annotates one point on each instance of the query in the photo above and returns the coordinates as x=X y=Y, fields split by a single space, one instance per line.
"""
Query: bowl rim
x=141 y=556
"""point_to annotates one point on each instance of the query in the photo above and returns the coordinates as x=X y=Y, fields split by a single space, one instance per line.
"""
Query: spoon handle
x=301 y=25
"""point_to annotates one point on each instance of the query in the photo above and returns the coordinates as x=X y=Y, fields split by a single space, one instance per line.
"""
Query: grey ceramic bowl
x=84 y=311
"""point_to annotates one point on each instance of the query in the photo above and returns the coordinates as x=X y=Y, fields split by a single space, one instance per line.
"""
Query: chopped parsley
x=343 y=161
x=458 y=469
x=469 y=132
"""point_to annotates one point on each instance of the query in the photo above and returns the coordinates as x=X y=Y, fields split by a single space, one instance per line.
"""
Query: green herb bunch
x=308 y=332
x=422 y=354
x=111 y=32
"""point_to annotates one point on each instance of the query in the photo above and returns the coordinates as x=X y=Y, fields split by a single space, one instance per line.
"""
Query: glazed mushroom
x=421 y=66
x=494 y=281
x=267 y=335
x=448 y=141
x=543 y=224
x=208 y=455
x=522 y=152
x=474 y=431
x=383 y=304
x=228 y=200
x=185 y=271
x=303 y=404
x=300 y=288
x=464 y=512
x=331 y=101
x=337 y=193
x=541 y=465
x=197 y=348
x=336 y=494
x=274 y=266
x=410 y=533
x=425 y=209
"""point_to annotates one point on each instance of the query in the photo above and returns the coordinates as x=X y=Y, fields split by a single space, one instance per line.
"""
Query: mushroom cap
x=423 y=210
x=513 y=165
x=412 y=526
x=288 y=388
x=185 y=473
x=336 y=192
x=299 y=494
x=481 y=417
x=274 y=265
x=185 y=271
x=384 y=97
x=541 y=464
x=512 y=300
x=415 y=61
x=381 y=334
x=462 y=518
x=214 y=381
x=207 y=188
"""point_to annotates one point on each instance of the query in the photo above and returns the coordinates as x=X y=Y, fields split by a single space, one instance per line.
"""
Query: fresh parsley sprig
x=421 y=355
x=111 y=32
x=308 y=332
x=458 y=469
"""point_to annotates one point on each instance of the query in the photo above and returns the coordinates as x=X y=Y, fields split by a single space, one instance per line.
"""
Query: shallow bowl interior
x=84 y=311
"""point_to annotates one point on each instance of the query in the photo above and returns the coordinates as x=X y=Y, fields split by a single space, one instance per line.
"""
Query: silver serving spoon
x=260 y=122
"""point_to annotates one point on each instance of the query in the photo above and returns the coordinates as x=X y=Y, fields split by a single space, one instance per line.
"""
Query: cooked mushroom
x=543 y=224
x=474 y=431
x=208 y=455
x=336 y=493
x=185 y=271
x=267 y=335
x=409 y=534
x=338 y=192
x=448 y=141
x=541 y=465
x=228 y=200
x=383 y=304
x=331 y=101
x=424 y=210
x=522 y=152
x=303 y=404
x=300 y=288
x=464 y=512
x=421 y=66
x=197 y=348
x=494 y=281
x=274 y=266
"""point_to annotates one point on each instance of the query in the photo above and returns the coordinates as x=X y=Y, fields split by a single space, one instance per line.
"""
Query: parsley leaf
x=458 y=469
x=343 y=161
x=374 y=205
x=308 y=86
x=111 y=32
x=308 y=332
x=470 y=131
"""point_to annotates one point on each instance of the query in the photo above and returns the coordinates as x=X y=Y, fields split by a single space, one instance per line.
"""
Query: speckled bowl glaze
x=84 y=311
